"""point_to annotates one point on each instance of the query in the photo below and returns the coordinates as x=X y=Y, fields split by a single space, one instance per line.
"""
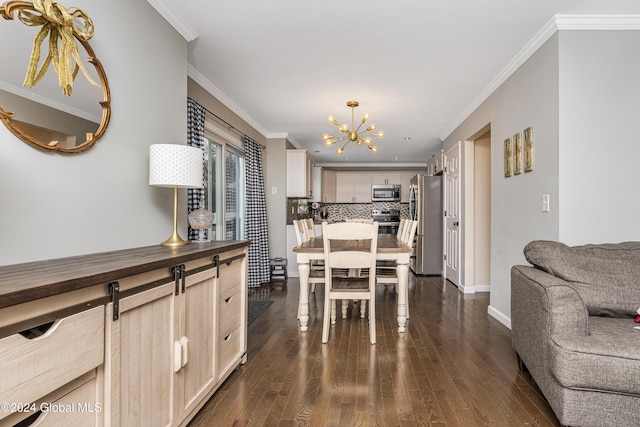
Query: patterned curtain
x=256 y=214
x=195 y=138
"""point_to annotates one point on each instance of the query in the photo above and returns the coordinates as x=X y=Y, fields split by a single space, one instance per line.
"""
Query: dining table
x=389 y=248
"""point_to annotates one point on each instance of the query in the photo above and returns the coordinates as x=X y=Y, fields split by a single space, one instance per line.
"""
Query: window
x=224 y=192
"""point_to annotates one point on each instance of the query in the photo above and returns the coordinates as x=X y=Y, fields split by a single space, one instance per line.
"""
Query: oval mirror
x=42 y=115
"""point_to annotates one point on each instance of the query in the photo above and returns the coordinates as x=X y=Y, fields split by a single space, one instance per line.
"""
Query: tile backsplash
x=297 y=209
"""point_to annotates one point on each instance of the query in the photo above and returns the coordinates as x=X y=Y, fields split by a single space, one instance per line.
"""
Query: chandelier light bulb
x=365 y=117
x=372 y=126
x=379 y=134
x=366 y=140
x=373 y=148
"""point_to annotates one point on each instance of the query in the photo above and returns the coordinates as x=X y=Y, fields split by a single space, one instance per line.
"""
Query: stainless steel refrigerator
x=425 y=205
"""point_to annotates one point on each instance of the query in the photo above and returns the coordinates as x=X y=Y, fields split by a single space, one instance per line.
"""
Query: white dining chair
x=349 y=246
x=316 y=275
x=387 y=273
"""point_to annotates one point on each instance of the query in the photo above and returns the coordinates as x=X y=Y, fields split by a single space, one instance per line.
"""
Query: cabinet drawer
x=231 y=276
x=33 y=368
x=229 y=347
x=229 y=312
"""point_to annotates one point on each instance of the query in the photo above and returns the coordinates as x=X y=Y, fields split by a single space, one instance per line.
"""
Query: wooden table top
x=387 y=243
x=21 y=283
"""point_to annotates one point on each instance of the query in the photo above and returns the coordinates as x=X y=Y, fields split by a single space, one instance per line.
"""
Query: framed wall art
x=508 y=158
x=528 y=149
x=517 y=153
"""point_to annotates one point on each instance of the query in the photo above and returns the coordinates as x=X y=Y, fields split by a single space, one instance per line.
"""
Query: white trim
x=280 y=135
x=499 y=316
x=484 y=288
x=172 y=17
x=224 y=99
x=598 y=22
x=558 y=22
x=467 y=289
x=386 y=165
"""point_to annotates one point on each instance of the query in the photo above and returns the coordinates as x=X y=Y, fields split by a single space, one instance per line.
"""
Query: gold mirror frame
x=7 y=11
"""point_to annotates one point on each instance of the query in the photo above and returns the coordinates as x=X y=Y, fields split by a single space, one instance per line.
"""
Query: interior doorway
x=477 y=216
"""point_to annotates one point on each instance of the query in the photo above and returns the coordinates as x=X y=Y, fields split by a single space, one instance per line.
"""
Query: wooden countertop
x=20 y=283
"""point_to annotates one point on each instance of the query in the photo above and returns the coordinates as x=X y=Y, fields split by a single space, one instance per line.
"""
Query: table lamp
x=177 y=166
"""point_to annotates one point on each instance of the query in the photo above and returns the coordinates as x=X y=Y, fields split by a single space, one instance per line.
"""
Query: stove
x=388 y=220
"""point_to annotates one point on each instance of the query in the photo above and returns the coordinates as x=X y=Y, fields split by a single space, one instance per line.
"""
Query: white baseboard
x=293 y=273
x=484 y=288
x=499 y=316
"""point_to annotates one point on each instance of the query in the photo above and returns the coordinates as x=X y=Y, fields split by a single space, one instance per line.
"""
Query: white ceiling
x=418 y=67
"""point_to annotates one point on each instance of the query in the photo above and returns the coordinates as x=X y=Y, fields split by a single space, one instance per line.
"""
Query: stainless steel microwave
x=385 y=193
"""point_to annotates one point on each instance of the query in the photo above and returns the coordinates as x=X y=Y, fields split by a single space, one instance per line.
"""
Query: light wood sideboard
x=141 y=336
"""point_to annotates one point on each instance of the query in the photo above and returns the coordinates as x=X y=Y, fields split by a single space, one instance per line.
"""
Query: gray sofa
x=573 y=330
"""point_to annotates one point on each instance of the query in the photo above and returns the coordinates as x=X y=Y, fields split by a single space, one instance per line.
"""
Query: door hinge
x=444 y=257
x=113 y=289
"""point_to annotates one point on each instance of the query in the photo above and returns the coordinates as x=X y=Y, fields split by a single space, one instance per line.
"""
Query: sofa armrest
x=542 y=305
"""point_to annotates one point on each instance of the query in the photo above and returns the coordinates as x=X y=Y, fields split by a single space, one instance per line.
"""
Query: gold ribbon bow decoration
x=59 y=24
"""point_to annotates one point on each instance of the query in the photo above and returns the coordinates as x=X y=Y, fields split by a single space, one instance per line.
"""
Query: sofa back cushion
x=606 y=276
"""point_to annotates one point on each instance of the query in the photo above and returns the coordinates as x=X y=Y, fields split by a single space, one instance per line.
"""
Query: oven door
x=390 y=228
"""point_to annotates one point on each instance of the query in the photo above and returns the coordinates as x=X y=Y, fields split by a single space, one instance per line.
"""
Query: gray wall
x=578 y=91
x=599 y=151
x=54 y=205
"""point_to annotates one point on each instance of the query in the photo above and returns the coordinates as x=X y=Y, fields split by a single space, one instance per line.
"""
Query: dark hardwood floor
x=453 y=367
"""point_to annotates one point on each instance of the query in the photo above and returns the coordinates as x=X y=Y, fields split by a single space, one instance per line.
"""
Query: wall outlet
x=274 y=190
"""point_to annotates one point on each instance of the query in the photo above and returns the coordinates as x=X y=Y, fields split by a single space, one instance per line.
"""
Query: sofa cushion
x=607 y=359
x=606 y=276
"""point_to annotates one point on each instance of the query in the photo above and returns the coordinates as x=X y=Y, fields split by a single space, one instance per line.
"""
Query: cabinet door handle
x=177 y=356
x=184 y=344
x=227 y=300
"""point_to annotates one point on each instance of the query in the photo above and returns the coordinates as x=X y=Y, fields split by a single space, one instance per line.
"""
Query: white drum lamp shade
x=177 y=166
x=172 y=165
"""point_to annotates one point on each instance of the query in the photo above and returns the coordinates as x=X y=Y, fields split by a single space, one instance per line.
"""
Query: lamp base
x=174 y=241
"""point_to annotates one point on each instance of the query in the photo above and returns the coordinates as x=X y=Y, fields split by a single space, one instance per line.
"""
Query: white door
x=452 y=214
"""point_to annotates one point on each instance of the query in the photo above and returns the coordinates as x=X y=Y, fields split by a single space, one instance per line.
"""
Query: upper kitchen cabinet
x=328 y=186
x=353 y=187
x=394 y=178
x=435 y=164
x=299 y=174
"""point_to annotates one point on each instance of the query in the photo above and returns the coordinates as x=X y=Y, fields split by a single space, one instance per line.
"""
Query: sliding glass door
x=234 y=196
x=224 y=169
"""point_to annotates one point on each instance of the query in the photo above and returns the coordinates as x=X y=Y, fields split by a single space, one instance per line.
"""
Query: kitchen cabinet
x=141 y=336
x=353 y=187
x=386 y=178
x=328 y=186
x=299 y=174
x=435 y=164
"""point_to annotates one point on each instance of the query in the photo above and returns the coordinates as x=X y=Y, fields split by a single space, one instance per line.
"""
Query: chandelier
x=351 y=134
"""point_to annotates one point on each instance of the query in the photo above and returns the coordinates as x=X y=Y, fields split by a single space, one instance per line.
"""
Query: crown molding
x=173 y=18
x=277 y=135
x=224 y=99
x=598 y=22
x=558 y=22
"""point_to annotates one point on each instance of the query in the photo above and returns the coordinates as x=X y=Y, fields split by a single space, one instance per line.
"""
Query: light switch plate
x=545 y=203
